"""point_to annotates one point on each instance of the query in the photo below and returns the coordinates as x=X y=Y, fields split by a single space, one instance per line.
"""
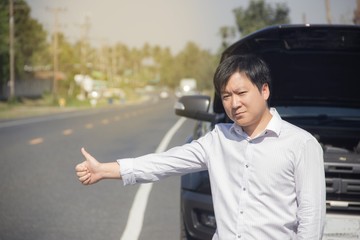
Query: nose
x=235 y=102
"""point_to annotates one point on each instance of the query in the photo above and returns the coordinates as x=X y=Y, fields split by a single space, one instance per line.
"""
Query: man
x=267 y=175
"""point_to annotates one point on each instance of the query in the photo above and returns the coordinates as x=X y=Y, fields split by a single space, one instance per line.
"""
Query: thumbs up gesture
x=91 y=171
x=88 y=171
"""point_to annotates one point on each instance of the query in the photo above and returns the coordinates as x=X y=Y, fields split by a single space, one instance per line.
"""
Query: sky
x=167 y=23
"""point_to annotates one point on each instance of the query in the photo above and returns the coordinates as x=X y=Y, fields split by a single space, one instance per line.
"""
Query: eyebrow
x=224 y=92
x=238 y=89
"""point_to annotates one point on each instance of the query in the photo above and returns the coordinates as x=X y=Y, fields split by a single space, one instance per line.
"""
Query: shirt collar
x=275 y=123
x=273 y=126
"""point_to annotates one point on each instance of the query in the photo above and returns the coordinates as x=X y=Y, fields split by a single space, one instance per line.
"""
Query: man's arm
x=91 y=171
x=310 y=190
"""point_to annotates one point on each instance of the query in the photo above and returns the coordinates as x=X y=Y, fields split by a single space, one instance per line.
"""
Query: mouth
x=238 y=114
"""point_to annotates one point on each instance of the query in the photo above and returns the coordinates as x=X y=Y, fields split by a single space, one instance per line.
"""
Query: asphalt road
x=41 y=197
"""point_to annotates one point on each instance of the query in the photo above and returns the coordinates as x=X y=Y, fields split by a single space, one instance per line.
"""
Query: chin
x=241 y=123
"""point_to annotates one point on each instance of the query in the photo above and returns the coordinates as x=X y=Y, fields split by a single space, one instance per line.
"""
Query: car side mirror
x=195 y=107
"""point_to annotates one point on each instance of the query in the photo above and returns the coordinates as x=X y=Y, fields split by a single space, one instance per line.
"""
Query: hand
x=88 y=171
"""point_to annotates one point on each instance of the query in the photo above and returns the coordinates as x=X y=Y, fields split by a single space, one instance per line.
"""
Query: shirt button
x=244 y=189
x=246 y=165
x=238 y=236
x=241 y=212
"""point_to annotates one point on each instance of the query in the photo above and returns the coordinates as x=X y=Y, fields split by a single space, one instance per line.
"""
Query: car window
x=300 y=111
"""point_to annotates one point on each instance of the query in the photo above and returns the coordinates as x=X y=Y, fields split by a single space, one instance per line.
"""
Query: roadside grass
x=43 y=106
x=26 y=107
x=29 y=108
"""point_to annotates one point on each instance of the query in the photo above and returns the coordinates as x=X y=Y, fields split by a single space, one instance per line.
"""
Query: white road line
x=167 y=138
x=137 y=211
x=36 y=141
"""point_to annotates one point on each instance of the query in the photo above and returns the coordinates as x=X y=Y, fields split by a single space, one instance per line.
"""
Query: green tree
x=4 y=42
x=166 y=62
x=30 y=36
x=68 y=65
x=30 y=39
x=259 y=15
x=193 y=62
x=227 y=34
x=122 y=65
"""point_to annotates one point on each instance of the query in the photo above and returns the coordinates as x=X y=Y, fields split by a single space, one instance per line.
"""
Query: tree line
x=118 y=64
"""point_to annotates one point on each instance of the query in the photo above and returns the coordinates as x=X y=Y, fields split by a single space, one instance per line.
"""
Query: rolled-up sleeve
x=126 y=171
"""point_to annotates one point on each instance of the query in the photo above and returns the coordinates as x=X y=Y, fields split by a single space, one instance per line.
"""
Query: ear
x=265 y=91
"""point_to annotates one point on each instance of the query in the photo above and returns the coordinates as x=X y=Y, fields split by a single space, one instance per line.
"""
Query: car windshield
x=315 y=112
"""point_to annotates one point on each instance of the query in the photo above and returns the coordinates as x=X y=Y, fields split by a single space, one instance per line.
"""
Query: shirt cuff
x=127 y=171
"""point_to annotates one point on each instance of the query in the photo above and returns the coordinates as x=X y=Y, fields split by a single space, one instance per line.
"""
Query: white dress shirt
x=268 y=187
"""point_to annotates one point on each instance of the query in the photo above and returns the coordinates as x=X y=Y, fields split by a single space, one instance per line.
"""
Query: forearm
x=109 y=170
x=157 y=166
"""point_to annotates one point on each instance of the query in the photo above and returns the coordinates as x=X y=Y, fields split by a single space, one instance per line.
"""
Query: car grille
x=342 y=173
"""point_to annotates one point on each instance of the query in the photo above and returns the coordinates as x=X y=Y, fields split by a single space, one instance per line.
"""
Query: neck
x=254 y=130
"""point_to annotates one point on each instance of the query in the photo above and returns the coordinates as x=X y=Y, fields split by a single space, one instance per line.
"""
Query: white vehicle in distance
x=187 y=86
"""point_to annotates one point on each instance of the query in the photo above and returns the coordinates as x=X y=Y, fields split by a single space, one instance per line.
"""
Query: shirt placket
x=244 y=190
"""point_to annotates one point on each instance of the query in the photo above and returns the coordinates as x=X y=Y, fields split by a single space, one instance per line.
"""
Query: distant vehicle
x=164 y=93
x=316 y=87
x=187 y=86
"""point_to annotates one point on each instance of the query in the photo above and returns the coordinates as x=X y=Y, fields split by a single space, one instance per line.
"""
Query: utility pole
x=304 y=18
x=84 y=44
x=328 y=12
x=11 y=51
x=357 y=13
x=56 y=12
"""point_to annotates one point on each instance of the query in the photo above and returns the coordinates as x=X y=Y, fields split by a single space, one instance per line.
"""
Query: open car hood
x=316 y=65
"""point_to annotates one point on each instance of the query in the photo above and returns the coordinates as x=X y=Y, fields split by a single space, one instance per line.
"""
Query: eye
x=241 y=93
x=225 y=96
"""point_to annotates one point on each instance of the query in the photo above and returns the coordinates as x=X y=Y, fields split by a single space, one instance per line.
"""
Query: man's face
x=244 y=103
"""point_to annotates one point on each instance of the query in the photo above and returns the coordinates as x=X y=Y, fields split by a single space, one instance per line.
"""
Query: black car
x=316 y=85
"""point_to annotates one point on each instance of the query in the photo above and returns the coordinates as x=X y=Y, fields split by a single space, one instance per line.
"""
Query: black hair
x=251 y=65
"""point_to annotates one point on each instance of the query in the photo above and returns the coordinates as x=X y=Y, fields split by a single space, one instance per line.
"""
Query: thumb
x=87 y=156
